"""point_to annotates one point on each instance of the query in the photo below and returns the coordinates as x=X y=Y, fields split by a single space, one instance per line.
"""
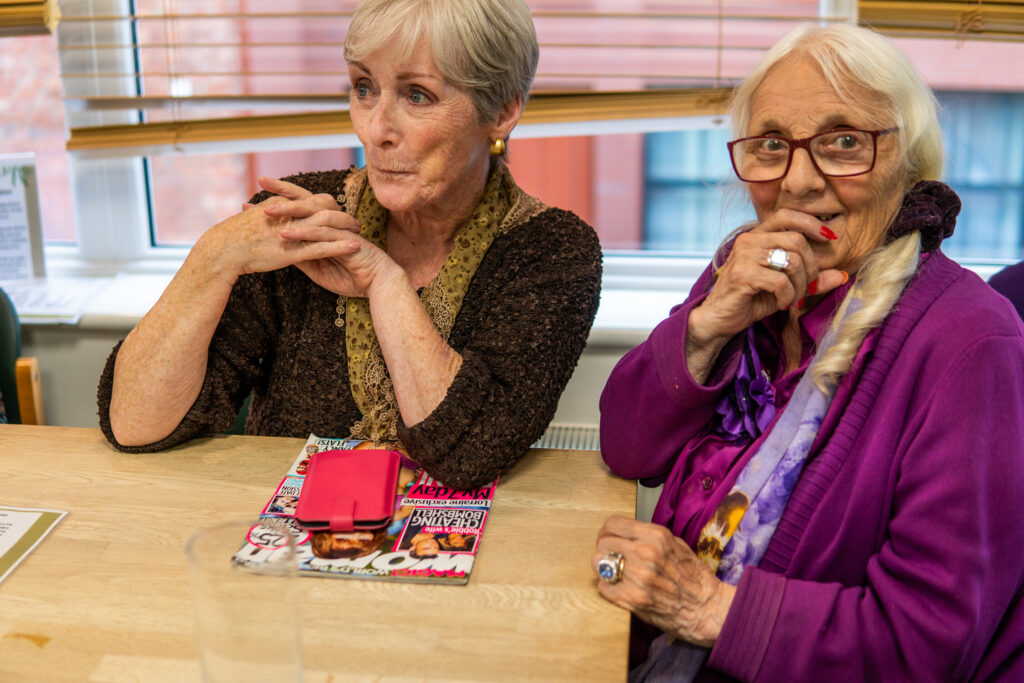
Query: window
x=983 y=133
x=128 y=61
x=657 y=186
x=188 y=194
x=693 y=200
x=693 y=197
x=33 y=121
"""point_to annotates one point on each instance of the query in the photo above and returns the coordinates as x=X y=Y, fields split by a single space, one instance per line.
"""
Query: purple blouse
x=692 y=494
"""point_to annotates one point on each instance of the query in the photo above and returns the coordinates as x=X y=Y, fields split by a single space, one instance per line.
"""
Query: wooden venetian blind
x=543 y=108
x=22 y=18
x=979 y=20
x=163 y=75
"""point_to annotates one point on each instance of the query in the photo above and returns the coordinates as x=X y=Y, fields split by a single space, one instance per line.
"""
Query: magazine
x=433 y=537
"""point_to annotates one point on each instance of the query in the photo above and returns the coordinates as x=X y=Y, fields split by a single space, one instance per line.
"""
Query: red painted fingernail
x=800 y=304
x=828 y=234
x=846 y=277
x=812 y=288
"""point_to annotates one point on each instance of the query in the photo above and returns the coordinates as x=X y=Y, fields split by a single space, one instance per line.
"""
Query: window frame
x=110 y=193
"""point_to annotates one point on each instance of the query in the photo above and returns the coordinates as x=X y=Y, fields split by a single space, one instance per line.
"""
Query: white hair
x=856 y=60
x=880 y=282
x=486 y=47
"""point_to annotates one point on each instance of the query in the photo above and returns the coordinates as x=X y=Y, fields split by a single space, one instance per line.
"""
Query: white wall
x=71 y=358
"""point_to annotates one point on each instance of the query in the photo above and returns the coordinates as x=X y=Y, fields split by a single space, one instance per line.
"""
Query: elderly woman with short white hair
x=836 y=412
x=422 y=302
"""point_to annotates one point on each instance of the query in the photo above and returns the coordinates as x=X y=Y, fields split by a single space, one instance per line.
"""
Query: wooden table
x=106 y=598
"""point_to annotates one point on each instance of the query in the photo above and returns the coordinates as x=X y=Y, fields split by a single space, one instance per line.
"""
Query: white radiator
x=574 y=436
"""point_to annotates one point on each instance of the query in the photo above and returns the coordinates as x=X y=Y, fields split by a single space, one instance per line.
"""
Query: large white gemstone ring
x=609 y=567
x=778 y=259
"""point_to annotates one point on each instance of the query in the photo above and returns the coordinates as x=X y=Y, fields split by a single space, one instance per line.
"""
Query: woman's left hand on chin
x=663 y=582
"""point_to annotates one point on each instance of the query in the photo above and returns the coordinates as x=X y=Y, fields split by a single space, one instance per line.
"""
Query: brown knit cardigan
x=521 y=329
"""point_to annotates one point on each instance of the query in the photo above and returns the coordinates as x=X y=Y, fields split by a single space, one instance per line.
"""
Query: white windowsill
x=638 y=290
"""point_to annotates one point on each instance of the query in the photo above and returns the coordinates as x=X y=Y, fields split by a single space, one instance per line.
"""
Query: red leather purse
x=349 y=490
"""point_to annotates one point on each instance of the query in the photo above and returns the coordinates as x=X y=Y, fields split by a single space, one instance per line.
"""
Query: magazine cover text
x=433 y=537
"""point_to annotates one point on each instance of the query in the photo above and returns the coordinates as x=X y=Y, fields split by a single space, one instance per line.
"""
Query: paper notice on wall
x=53 y=299
x=21 y=241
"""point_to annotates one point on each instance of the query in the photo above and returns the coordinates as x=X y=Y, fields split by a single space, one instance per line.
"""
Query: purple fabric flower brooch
x=748 y=409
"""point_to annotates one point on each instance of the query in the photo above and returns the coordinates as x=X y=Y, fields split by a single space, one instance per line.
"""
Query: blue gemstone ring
x=610 y=567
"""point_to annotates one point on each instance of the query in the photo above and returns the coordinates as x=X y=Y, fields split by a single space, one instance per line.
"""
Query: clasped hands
x=309 y=231
x=663 y=582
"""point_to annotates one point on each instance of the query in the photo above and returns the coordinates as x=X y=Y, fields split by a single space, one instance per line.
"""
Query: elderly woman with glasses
x=836 y=412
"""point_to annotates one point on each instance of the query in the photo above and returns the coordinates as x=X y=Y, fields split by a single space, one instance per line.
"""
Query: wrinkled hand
x=352 y=271
x=310 y=232
x=663 y=581
x=345 y=263
x=316 y=218
x=292 y=227
x=251 y=242
x=747 y=289
x=304 y=204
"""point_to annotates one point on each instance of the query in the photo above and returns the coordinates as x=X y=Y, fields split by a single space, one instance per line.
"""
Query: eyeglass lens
x=836 y=153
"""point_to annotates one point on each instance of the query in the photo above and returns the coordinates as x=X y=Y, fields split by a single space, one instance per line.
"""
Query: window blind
x=28 y=18
x=155 y=76
x=978 y=20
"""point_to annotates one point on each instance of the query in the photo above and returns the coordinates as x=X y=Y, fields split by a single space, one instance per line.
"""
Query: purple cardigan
x=900 y=555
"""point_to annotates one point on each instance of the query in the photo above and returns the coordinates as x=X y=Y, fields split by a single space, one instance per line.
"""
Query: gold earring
x=497 y=148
